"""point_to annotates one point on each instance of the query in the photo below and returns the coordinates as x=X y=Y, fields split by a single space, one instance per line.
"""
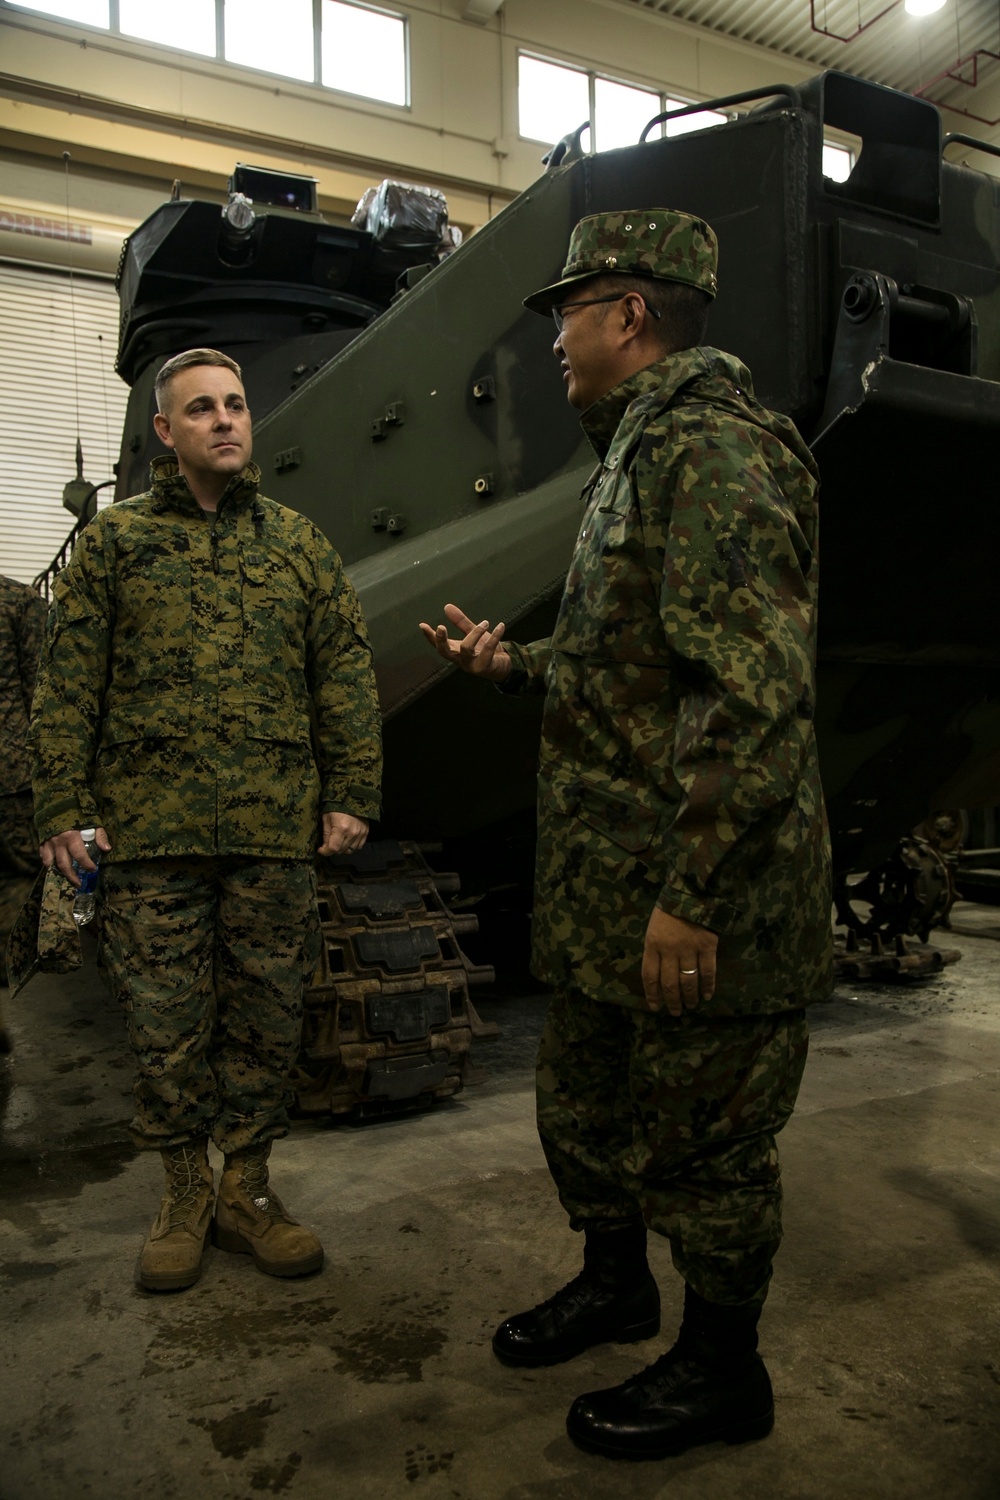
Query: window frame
x=380 y=10
x=668 y=99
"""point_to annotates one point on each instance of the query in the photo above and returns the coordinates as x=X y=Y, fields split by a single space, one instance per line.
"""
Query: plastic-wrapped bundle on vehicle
x=450 y=241
x=408 y=224
x=403 y=216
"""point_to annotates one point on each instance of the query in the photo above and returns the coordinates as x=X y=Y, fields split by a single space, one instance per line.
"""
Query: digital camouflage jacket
x=22 y=624
x=206 y=684
x=678 y=763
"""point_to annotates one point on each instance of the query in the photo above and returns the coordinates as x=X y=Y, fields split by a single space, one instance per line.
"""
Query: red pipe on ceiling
x=835 y=35
x=954 y=73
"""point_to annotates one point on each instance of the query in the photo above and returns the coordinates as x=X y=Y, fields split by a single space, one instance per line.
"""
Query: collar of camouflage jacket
x=718 y=375
x=171 y=491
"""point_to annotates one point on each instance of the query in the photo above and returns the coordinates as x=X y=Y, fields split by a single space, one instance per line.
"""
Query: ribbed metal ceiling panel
x=895 y=48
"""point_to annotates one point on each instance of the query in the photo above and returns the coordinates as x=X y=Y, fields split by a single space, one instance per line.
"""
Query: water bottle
x=85 y=901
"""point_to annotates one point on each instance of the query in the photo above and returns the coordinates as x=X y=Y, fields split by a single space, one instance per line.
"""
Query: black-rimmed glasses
x=559 y=312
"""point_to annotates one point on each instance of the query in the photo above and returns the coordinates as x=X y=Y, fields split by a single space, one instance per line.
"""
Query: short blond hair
x=185 y=361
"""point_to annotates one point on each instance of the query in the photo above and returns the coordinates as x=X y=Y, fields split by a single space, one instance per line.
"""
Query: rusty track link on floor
x=389 y=1022
x=902 y=960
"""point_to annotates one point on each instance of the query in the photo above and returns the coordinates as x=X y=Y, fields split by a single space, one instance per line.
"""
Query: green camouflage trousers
x=209 y=956
x=675 y=1120
x=19 y=863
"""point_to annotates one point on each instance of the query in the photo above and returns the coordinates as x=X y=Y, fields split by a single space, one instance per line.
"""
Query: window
x=554 y=98
x=341 y=44
x=621 y=113
x=837 y=162
x=700 y=121
x=185 y=24
x=90 y=12
x=364 y=51
x=551 y=100
x=276 y=39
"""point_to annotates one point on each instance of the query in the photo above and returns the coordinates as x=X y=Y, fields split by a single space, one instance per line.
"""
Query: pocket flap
x=626 y=822
x=282 y=722
x=145 y=719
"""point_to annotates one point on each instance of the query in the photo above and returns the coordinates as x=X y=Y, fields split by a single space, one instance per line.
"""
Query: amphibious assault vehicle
x=406 y=402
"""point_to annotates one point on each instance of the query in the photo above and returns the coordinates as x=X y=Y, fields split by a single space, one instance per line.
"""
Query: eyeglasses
x=559 y=313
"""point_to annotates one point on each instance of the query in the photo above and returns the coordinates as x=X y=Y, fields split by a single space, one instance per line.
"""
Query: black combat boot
x=711 y=1387
x=613 y=1300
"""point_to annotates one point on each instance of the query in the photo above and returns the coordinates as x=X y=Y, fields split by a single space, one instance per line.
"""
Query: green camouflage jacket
x=206 y=684
x=22 y=623
x=678 y=764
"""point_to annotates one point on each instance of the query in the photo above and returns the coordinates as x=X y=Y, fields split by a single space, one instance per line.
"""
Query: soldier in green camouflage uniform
x=682 y=905
x=206 y=701
x=22 y=621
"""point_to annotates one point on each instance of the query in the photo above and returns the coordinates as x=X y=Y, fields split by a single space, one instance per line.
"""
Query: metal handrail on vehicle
x=956 y=137
x=774 y=91
x=44 y=580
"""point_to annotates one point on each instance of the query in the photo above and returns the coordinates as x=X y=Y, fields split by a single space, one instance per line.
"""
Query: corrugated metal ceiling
x=890 y=46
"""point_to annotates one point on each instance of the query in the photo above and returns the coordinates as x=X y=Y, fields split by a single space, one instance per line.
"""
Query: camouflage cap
x=659 y=242
x=44 y=936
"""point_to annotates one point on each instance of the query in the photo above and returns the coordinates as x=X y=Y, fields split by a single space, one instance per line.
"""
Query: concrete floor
x=375 y=1379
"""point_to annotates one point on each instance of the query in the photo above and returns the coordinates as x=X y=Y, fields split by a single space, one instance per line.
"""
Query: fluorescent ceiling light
x=923 y=7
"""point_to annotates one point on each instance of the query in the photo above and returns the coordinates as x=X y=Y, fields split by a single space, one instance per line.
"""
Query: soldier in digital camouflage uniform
x=22 y=622
x=206 y=700
x=682 y=904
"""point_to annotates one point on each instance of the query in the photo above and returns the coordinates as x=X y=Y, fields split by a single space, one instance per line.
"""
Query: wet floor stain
x=420 y=1461
x=77 y=1371
x=28 y=1270
x=64 y=1173
x=237 y=1432
x=55 y=1423
x=72 y=1064
x=382 y=1353
x=203 y=1328
x=77 y=1098
x=273 y=1479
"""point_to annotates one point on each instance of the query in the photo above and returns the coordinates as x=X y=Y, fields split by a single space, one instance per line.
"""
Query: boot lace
x=186 y=1184
x=570 y=1298
x=661 y=1377
x=254 y=1181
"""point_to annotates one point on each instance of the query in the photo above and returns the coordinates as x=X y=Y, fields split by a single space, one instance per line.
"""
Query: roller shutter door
x=46 y=373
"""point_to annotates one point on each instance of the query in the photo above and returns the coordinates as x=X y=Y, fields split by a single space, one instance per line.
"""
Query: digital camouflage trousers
x=19 y=863
x=639 y=1113
x=209 y=956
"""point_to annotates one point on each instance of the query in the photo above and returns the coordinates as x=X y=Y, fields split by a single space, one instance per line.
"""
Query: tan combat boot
x=171 y=1256
x=250 y=1220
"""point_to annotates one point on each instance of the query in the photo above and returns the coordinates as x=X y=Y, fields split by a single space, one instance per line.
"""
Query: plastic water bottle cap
x=88 y=835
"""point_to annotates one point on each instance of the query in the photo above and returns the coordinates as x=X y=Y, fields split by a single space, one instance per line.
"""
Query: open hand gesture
x=478 y=652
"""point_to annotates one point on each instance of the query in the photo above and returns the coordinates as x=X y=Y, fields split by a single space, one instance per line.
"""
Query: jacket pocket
x=279 y=723
x=621 y=819
x=145 y=719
